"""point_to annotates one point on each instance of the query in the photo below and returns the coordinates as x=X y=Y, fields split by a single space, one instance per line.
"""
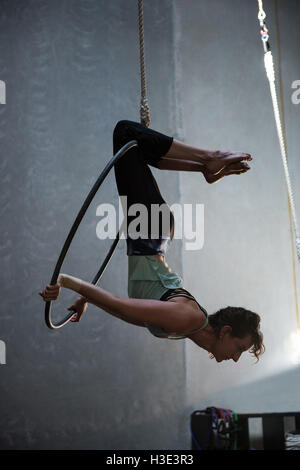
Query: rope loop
x=261 y=15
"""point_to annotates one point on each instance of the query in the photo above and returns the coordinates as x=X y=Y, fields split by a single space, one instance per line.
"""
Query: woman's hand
x=80 y=305
x=50 y=292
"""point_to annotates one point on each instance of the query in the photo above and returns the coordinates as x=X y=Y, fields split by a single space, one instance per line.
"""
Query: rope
x=280 y=126
x=269 y=66
x=144 y=107
x=289 y=202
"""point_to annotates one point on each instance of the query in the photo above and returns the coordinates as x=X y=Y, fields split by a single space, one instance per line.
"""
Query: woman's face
x=230 y=347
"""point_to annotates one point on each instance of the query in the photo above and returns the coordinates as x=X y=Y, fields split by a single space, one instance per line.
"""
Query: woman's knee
x=120 y=129
x=120 y=135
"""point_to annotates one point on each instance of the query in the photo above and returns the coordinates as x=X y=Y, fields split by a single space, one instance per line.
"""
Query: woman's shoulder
x=182 y=296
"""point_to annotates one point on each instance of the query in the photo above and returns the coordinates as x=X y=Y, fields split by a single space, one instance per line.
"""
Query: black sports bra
x=170 y=294
x=179 y=292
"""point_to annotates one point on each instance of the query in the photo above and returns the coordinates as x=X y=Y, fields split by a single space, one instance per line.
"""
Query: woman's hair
x=242 y=322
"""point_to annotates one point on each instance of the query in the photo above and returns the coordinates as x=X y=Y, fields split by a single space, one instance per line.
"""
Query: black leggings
x=135 y=180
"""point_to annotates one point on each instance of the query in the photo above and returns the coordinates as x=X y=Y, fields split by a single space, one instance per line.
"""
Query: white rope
x=269 y=66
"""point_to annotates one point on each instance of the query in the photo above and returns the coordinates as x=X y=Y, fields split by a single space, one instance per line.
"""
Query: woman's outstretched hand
x=50 y=292
x=80 y=305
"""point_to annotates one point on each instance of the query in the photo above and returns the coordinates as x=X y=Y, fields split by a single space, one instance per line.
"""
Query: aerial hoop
x=64 y=251
x=145 y=119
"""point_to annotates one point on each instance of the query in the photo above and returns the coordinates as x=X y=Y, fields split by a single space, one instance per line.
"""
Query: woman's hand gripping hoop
x=53 y=287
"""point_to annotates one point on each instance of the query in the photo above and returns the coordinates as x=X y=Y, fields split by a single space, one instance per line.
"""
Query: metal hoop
x=87 y=202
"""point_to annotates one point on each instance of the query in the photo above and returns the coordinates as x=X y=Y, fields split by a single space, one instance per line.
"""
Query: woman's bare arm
x=172 y=316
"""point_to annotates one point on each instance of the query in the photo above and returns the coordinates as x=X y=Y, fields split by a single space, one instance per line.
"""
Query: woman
x=157 y=299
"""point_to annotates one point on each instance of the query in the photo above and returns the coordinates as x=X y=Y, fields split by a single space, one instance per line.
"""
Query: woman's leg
x=135 y=181
x=213 y=160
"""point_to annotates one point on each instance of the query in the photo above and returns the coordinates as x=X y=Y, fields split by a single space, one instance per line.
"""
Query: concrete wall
x=71 y=70
x=247 y=256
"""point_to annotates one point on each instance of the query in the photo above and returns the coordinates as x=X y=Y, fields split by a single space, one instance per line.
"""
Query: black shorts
x=135 y=180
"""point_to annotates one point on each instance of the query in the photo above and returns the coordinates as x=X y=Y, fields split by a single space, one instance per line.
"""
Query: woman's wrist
x=70 y=282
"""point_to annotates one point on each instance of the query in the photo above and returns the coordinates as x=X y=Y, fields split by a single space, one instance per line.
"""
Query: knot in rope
x=144 y=107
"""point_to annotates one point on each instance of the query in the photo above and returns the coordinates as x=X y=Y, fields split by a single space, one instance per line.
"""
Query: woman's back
x=149 y=277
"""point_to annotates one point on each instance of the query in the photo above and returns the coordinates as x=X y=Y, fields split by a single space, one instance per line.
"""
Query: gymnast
x=157 y=298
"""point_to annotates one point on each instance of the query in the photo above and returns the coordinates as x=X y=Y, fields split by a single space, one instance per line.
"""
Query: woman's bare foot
x=232 y=169
x=221 y=160
x=213 y=160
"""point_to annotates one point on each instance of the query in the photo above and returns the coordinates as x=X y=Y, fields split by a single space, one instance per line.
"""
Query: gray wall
x=72 y=71
x=247 y=255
